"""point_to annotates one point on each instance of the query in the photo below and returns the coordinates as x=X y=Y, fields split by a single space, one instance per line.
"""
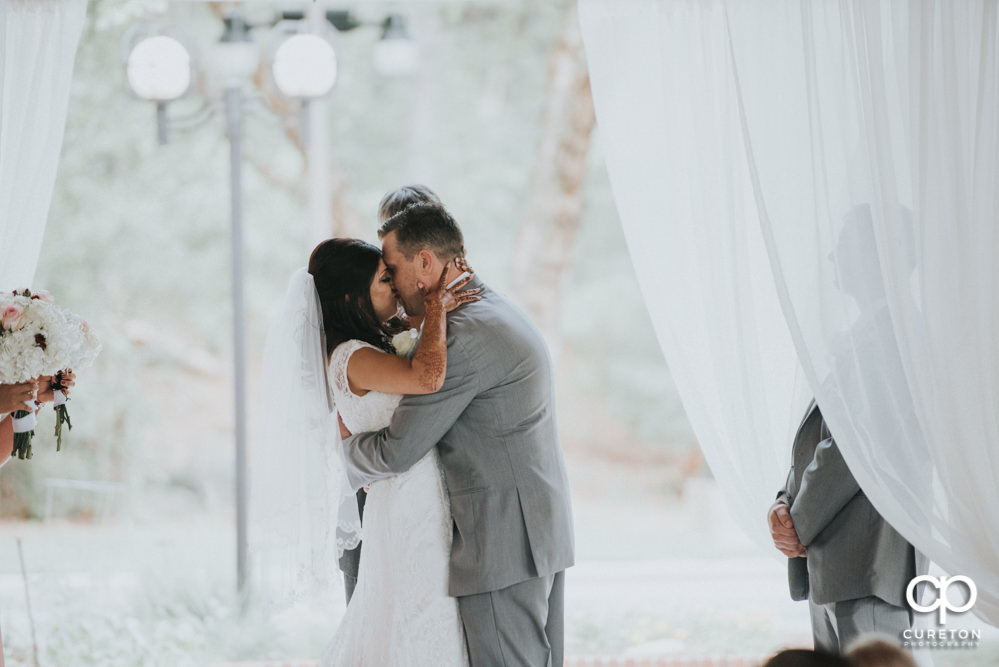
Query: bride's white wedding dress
x=400 y=614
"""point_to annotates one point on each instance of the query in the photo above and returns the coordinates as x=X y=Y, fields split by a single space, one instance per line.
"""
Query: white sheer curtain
x=38 y=40
x=868 y=137
x=664 y=92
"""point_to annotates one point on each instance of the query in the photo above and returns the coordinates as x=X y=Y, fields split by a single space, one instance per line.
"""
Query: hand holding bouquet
x=39 y=340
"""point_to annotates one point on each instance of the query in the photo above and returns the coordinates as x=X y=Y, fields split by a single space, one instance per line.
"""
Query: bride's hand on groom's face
x=451 y=295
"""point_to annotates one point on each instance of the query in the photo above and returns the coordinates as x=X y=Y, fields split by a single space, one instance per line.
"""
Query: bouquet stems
x=62 y=415
x=22 y=439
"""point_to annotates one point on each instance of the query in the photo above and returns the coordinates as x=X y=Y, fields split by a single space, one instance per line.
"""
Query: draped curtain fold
x=817 y=181
x=679 y=172
x=38 y=42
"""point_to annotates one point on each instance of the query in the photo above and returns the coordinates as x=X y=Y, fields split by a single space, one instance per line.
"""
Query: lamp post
x=236 y=60
x=159 y=68
x=395 y=53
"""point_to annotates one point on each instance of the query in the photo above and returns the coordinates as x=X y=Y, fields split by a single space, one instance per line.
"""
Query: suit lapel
x=808 y=413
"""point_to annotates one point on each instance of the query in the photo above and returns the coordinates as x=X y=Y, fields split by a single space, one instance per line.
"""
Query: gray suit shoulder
x=497 y=330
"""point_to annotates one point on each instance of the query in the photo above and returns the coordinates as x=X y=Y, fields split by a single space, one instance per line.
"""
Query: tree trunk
x=554 y=211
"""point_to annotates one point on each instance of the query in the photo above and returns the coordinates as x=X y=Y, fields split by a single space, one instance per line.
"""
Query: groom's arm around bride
x=493 y=423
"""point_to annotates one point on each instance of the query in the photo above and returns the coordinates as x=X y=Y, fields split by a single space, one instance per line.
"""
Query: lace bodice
x=370 y=412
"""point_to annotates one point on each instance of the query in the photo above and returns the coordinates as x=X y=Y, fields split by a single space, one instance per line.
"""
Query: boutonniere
x=406 y=342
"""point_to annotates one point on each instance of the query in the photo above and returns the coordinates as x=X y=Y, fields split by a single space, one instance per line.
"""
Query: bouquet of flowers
x=39 y=338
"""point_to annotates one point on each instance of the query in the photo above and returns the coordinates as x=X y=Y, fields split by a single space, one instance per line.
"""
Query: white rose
x=406 y=342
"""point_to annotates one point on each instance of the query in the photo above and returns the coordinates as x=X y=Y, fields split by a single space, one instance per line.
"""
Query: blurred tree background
x=497 y=119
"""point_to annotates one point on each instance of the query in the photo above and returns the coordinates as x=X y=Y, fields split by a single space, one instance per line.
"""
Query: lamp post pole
x=234 y=131
x=317 y=146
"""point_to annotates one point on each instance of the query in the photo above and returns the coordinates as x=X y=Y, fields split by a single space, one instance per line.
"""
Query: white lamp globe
x=396 y=57
x=305 y=67
x=395 y=53
x=159 y=68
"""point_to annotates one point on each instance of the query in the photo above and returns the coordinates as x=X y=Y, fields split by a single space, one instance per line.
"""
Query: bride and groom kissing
x=467 y=525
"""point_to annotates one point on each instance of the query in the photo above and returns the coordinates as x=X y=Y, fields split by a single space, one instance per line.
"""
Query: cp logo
x=942 y=602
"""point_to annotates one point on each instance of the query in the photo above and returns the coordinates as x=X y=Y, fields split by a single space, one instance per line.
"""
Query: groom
x=493 y=423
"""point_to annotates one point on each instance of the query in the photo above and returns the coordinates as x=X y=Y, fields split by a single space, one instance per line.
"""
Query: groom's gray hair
x=397 y=200
x=425 y=225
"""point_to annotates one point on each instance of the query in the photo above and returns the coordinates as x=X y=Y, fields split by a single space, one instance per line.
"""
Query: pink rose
x=10 y=318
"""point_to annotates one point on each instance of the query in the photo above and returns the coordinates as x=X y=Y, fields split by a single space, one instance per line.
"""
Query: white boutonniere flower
x=406 y=342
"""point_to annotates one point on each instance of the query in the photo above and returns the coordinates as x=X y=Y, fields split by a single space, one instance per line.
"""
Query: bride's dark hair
x=343 y=270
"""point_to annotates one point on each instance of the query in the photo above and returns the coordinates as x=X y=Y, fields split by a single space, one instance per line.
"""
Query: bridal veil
x=303 y=514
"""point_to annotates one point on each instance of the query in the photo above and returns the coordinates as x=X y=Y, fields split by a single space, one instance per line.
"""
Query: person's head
x=801 y=657
x=857 y=263
x=417 y=242
x=876 y=650
x=399 y=199
x=355 y=292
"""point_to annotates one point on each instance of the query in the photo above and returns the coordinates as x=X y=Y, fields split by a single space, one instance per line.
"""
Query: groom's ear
x=426 y=259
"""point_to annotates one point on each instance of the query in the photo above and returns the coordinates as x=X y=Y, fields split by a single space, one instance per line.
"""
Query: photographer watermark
x=942 y=637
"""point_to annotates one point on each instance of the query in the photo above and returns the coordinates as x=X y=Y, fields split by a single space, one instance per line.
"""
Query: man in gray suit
x=493 y=423
x=844 y=558
x=850 y=564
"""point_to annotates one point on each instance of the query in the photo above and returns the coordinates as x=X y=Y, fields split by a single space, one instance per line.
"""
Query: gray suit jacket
x=852 y=551
x=493 y=423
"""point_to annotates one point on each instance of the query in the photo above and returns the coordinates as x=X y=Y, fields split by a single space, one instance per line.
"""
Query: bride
x=400 y=613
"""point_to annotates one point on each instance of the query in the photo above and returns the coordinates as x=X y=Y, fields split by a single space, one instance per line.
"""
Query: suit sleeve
x=827 y=485
x=417 y=425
